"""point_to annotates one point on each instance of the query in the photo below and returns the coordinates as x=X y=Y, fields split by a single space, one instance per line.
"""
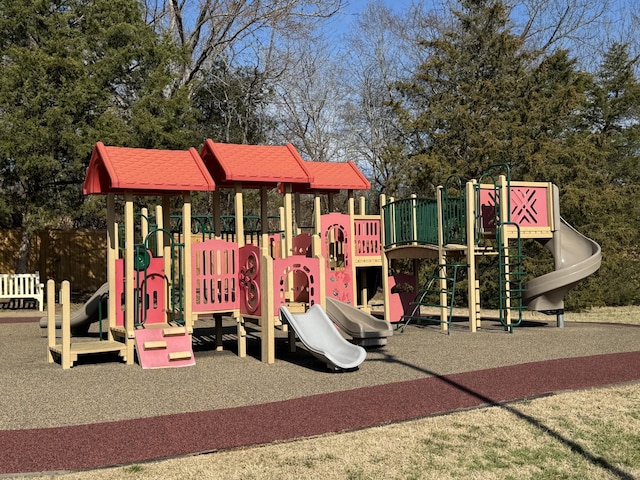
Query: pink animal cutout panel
x=149 y=291
x=215 y=267
x=529 y=206
x=304 y=274
x=367 y=237
x=249 y=277
x=336 y=250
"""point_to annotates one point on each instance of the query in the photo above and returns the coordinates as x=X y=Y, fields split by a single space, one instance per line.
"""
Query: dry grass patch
x=628 y=315
x=593 y=434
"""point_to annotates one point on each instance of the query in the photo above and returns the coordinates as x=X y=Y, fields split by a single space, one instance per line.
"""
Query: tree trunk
x=24 y=252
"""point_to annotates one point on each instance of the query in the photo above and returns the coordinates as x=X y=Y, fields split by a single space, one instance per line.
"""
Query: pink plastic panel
x=367 y=237
x=336 y=237
x=151 y=285
x=339 y=285
x=249 y=277
x=152 y=288
x=119 y=293
x=302 y=245
x=528 y=206
x=215 y=267
x=336 y=251
x=305 y=274
x=402 y=291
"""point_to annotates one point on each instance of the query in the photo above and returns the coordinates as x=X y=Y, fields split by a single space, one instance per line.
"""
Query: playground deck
x=100 y=414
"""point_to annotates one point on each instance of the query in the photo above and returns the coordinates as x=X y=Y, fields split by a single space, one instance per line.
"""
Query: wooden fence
x=79 y=256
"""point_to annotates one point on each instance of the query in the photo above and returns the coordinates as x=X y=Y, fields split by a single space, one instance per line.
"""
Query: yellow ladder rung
x=155 y=345
x=180 y=355
x=173 y=331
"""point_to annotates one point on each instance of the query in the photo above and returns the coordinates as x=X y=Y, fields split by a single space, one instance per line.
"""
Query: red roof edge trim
x=102 y=150
x=206 y=175
x=214 y=163
x=95 y=181
x=300 y=161
x=360 y=174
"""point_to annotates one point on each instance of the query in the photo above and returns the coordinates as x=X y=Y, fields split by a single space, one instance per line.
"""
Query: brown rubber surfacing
x=131 y=441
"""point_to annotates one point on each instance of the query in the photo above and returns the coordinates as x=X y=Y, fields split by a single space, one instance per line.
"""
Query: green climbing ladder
x=511 y=276
x=509 y=245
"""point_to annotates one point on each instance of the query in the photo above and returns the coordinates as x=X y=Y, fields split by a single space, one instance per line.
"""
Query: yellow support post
x=129 y=276
x=187 y=267
x=65 y=300
x=472 y=283
x=239 y=214
x=504 y=246
x=51 y=318
x=385 y=261
x=442 y=266
x=112 y=255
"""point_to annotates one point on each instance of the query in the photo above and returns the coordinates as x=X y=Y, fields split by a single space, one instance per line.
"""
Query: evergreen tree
x=480 y=98
x=73 y=72
x=603 y=197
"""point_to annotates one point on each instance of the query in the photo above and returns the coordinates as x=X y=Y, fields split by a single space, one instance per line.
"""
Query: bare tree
x=384 y=49
x=308 y=99
x=210 y=30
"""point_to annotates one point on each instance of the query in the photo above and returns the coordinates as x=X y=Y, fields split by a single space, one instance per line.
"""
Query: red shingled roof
x=116 y=169
x=254 y=165
x=333 y=176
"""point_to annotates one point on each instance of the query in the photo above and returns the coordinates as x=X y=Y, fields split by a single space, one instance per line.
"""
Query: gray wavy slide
x=83 y=317
x=322 y=339
x=576 y=257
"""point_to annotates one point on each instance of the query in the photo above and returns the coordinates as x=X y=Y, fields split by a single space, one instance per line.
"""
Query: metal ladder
x=431 y=295
x=511 y=277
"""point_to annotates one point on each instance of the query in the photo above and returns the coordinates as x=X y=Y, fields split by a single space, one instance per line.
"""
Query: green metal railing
x=415 y=220
x=203 y=225
x=409 y=221
x=454 y=212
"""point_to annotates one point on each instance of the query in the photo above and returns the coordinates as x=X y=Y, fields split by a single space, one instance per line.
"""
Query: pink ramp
x=163 y=346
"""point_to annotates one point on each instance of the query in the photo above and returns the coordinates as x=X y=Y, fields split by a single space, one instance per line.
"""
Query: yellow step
x=155 y=345
x=173 y=331
x=179 y=355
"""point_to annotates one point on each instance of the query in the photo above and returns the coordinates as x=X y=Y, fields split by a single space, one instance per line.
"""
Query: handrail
x=411 y=221
x=203 y=224
x=454 y=212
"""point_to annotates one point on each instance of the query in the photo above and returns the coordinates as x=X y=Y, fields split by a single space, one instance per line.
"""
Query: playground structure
x=162 y=278
x=491 y=216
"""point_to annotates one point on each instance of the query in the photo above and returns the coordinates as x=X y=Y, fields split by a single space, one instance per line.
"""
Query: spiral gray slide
x=85 y=315
x=576 y=257
x=323 y=340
